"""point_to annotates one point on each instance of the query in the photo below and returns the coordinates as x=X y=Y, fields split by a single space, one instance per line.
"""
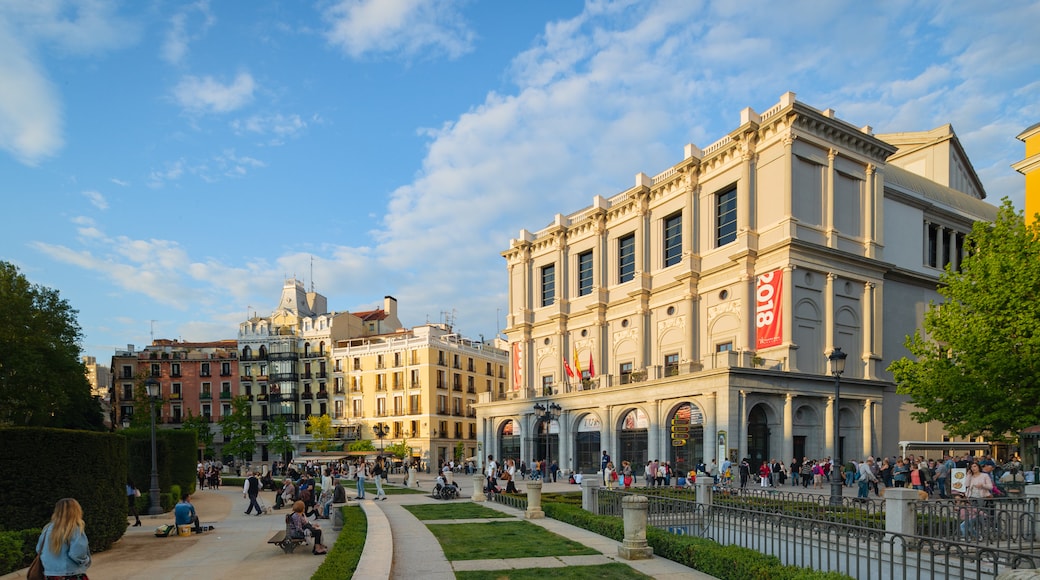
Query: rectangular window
x=225 y=369
x=585 y=273
x=726 y=216
x=128 y=372
x=672 y=239
x=175 y=369
x=381 y=407
x=548 y=284
x=626 y=373
x=671 y=364
x=547 y=385
x=724 y=347
x=358 y=413
x=626 y=258
x=933 y=245
x=205 y=370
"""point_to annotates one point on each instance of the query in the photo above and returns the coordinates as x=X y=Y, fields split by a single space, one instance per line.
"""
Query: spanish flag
x=577 y=363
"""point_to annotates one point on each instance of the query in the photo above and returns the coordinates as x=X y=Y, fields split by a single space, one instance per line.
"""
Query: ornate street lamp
x=837 y=362
x=380 y=431
x=548 y=413
x=154 y=508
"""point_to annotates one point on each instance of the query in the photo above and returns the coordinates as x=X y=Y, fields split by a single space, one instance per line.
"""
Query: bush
x=343 y=557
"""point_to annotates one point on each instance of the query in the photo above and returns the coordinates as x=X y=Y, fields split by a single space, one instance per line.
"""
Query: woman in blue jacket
x=63 y=547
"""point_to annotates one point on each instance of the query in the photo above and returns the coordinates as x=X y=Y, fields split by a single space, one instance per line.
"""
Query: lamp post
x=548 y=413
x=381 y=431
x=154 y=508
x=837 y=362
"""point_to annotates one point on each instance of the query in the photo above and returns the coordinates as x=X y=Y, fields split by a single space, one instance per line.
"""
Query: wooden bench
x=287 y=544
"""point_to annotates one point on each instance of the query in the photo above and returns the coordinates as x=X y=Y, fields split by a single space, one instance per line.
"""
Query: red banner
x=768 y=311
x=518 y=366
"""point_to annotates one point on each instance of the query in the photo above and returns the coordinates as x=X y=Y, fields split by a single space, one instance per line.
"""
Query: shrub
x=343 y=557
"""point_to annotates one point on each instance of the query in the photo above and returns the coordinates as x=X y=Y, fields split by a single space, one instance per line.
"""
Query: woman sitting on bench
x=298 y=524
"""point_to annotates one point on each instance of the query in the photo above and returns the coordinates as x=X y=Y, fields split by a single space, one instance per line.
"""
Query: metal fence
x=975 y=540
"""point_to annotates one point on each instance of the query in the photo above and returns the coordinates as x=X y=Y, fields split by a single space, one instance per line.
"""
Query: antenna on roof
x=312 y=273
x=151 y=331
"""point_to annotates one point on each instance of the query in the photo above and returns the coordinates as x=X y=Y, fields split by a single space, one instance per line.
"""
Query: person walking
x=63 y=546
x=509 y=474
x=866 y=477
x=377 y=474
x=609 y=475
x=132 y=493
x=603 y=462
x=251 y=489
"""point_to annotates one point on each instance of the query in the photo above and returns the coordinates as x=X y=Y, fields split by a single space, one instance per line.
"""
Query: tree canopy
x=238 y=430
x=42 y=380
x=976 y=366
x=322 y=431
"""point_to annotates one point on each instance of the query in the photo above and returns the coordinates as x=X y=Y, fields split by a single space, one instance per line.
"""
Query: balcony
x=249 y=398
x=205 y=396
x=262 y=397
x=245 y=378
x=175 y=375
x=225 y=373
x=321 y=375
x=307 y=396
x=283 y=356
x=284 y=377
x=323 y=394
x=175 y=396
x=225 y=395
x=471 y=390
x=456 y=388
x=205 y=374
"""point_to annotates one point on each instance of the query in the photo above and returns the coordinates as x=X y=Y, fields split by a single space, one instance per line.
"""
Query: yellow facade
x=1030 y=167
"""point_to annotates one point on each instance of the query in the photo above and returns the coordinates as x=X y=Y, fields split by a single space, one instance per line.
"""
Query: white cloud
x=208 y=95
x=119 y=182
x=96 y=199
x=398 y=27
x=277 y=126
x=179 y=38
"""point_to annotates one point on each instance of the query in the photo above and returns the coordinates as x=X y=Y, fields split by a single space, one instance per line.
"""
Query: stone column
x=899 y=516
x=412 y=481
x=634 y=546
x=478 y=487
x=589 y=488
x=787 y=445
x=534 y=501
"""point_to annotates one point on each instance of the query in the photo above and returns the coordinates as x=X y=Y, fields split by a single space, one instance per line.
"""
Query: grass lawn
x=614 y=571
x=454 y=511
x=497 y=540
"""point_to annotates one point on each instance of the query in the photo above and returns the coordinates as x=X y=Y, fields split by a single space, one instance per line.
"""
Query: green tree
x=400 y=450
x=200 y=425
x=976 y=366
x=278 y=440
x=361 y=445
x=238 y=430
x=42 y=380
x=320 y=427
x=460 y=451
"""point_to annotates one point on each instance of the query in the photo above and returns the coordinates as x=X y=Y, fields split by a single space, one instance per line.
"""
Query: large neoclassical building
x=691 y=316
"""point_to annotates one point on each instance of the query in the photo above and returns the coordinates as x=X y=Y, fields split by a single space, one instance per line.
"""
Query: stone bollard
x=337 y=516
x=704 y=490
x=634 y=546
x=478 y=488
x=534 y=501
x=589 y=487
x=1033 y=496
x=899 y=516
x=412 y=481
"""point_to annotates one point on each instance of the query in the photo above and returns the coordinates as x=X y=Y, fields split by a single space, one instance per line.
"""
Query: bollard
x=478 y=488
x=534 y=501
x=899 y=517
x=635 y=546
x=412 y=481
x=589 y=487
x=337 y=516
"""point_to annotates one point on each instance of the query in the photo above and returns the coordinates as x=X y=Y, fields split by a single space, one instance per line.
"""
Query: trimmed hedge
x=44 y=465
x=343 y=557
x=176 y=460
x=724 y=562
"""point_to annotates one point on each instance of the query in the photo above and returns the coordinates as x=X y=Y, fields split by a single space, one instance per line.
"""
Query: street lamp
x=154 y=508
x=837 y=362
x=548 y=413
x=381 y=431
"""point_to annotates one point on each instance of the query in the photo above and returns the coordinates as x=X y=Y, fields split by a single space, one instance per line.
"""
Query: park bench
x=284 y=541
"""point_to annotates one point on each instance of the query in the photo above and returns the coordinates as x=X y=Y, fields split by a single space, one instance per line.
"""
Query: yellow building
x=1030 y=167
x=418 y=386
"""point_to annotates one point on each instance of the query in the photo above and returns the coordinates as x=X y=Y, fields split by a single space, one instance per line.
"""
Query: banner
x=518 y=366
x=768 y=311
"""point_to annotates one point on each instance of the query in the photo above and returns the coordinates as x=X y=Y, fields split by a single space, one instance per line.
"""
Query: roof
x=939 y=193
x=961 y=445
x=371 y=315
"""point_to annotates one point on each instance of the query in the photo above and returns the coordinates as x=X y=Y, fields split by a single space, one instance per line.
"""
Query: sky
x=167 y=165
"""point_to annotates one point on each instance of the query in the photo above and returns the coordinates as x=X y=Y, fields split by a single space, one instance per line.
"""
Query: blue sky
x=166 y=165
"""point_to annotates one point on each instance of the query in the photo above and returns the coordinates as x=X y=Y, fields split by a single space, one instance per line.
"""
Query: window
x=225 y=369
x=672 y=239
x=175 y=369
x=155 y=370
x=671 y=364
x=442 y=404
x=381 y=407
x=337 y=410
x=548 y=284
x=547 y=385
x=413 y=405
x=626 y=373
x=726 y=216
x=358 y=408
x=626 y=258
x=933 y=245
x=128 y=372
x=207 y=410
x=204 y=372
x=585 y=273
x=207 y=389
x=724 y=346
x=225 y=410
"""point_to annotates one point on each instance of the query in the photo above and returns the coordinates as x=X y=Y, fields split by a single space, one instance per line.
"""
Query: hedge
x=724 y=562
x=43 y=465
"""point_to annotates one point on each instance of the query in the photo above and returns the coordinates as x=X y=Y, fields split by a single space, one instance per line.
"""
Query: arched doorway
x=758 y=436
x=508 y=441
x=632 y=440
x=587 y=445
x=686 y=436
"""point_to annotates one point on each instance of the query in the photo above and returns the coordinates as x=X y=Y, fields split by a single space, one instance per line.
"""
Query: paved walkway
x=398 y=546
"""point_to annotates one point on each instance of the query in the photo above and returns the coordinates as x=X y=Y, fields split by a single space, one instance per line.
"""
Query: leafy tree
x=322 y=431
x=976 y=367
x=460 y=451
x=400 y=450
x=361 y=445
x=238 y=430
x=278 y=440
x=200 y=425
x=42 y=380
